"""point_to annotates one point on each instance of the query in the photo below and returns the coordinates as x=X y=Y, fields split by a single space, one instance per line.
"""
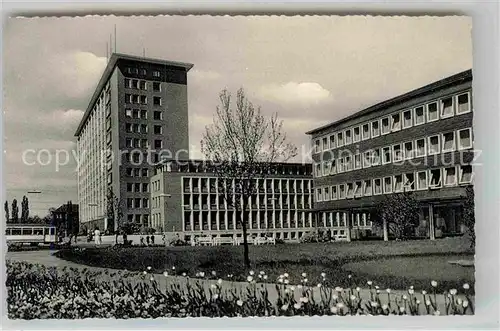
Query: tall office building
x=137 y=115
x=420 y=142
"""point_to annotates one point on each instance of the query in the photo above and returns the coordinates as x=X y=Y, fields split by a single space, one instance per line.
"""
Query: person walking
x=97 y=236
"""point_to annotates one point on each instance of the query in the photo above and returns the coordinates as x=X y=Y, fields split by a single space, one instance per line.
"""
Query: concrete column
x=348 y=225
x=432 y=230
x=385 y=228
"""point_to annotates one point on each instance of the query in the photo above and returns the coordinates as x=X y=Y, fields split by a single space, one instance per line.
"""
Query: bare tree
x=468 y=217
x=114 y=211
x=6 y=208
x=242 y=145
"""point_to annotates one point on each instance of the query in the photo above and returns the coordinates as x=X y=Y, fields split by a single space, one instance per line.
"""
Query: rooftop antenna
x=107 y=52
x=144 y=52
x=115 y=38
x=110 y=45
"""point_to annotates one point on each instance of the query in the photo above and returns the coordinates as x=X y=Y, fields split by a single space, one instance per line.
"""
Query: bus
x=34 y=234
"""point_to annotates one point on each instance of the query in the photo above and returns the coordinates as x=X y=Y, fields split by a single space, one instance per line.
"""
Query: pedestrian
x=147 y=240
x=142 y=240
x=97 y=236
x=152 y=239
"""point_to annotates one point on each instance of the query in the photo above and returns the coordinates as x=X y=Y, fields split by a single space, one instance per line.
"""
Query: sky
x=310 y=70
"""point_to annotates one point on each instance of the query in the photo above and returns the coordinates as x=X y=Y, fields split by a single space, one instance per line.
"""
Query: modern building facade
x=420 y=141
x=137 y=116
x=185 y=200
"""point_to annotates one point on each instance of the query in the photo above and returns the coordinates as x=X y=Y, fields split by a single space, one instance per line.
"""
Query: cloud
x=293 y=92
x=197 y=76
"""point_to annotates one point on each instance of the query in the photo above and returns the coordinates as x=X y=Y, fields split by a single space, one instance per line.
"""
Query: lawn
x=425 y=258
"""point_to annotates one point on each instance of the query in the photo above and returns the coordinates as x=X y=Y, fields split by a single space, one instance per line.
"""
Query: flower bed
x=36 y=291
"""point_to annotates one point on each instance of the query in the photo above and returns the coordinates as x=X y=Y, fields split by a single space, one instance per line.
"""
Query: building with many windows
x=137 y=115
x=420 y=141
x=185 y=200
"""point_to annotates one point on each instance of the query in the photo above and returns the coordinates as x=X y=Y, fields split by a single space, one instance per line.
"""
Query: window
x=348 y=163
x=156 y=73
x=463 y=104
x=144 y=128
x=130 y=172
x=420 y=149
x=357 y=161
x=127 y=82
x=144 y=100
x=326 y=195
x=325 y=143
x=450 y=176
x=367 y=187
x=388 y=185
x=145 y=203
x=333 y=167
x=398 y=183
x=143 y=85
x=334 y=192
x=128 y=127
x=422 y=180
x=341 y=165
x=408 y=149
x=156 y=86
x=375 y=129
x=342 y=191
x=144 y=143
x=464 y=139
x=129 y=187
x=316 y=146
x=367 y=160
x=157 y=129
x=358 y=189
x=325 y=169
x=135 y=84
x=377 y=186
x=128 y=142
x=157 y=101
x=158 y=144
x=407 y=119
x=433 y=145
x=135 y=113
x=419 y=115
x=357 y=134
x=409 y=181
x=366 y=131
x=157 y=115
x=145 y=172
x=350 y=190
x=397 y=153
x=128 y=113
x=447 y=107
x=318 y=170
x=137 y=203
x=340 y=139
x=145 y=187
x=396 y=122
x=143 y=72
x=432 y=112
x=385 y=126
x=465 y=174
x=128 y=98
x=448 y=141
x=435 y=178
x=386 y=155
x=348 y=136
x=332 y=141
x=130 y=203
x=144 y=114
x=376 y=157
x=319 y=194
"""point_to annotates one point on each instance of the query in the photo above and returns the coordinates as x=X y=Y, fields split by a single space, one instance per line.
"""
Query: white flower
x=378 y=291
x=215 y=296
x=333 y=310
x=202 y=274
x=437 y=313
x=353 y=297
x=376 y=287
x=349 y=276
x=280 y=280
x=402 y=309
x=265 y=276
x=173 y=268
x=319 y=285
x=434 y=283
x=183 y=274
x=286 y=281
x=384 y=307
x=388 y=290
x=298 y=305
x=305 y=280
x=214 y=273
x=261 y=273
x=149 y=268
x=165 y=274
x=285 y=275
x=358 y=289
x=292 y=288
x=260 y=276
x=335 y=296
x=424 y=292
x=374 y=304
x=323 y=275
x=213 y=286
x=219 y=281
x=427 y=302
x=466 y=286
x=453 y=291
x=299 y=286
x=369 y=283
x=251 y=272
x=304 y=299
x=197 y=274
x=239 y=303
x=405 y=297
x=145 y=272
x=459 y=301
x=465 y=303
x=411 y=291
x=340 y=305
x=338 y=289
x=286 y=290
x=417 y=302
x=284 y=307
x=151 y=278
x=249 y=278
x=304 y=274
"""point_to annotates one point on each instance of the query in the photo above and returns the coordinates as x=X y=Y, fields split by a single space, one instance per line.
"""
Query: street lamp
x=164 y=195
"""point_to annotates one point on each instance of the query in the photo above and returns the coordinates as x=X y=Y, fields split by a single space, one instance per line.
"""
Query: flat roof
x=462 y=76
x=210 y=162
x=115 y=57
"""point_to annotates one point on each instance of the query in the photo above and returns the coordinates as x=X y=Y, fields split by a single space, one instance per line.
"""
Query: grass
x=424 y=256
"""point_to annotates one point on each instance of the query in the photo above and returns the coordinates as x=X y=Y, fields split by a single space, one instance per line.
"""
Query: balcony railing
x=196 y=190
x=196 y=207
x=205 y=207
x=187 y=190
x=204 y=190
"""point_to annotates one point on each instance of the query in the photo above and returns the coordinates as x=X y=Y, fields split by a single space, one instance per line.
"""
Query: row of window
x=339 y=219
x=410 y=181
x=432 y=145
x=138 y=218
x=270 y=185
x=141 y=71
x=141 y=84
x=426 y=113
x=141 y=99
x=137 y=203
x=137 y=172
x=138 y=187
x=142 y=128
x=141 y=114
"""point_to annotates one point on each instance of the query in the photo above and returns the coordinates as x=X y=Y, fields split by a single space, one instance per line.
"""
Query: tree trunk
x=242 y=220
x=385 y=228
